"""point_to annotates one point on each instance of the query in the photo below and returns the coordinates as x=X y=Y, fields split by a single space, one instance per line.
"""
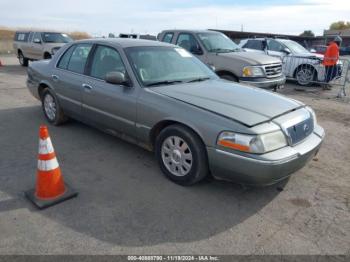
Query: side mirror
x=116 y=78
x=286 y=51
x=196 y=50
x=37 y=41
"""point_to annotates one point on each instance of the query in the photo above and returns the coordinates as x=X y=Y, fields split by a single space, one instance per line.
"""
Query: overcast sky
x=152 y=16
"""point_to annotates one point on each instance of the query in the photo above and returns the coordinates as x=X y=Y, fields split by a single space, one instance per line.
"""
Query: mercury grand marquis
x=161 y=97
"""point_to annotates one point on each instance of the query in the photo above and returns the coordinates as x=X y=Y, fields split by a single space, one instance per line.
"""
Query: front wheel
x=305 y=75
x=52 y=110
x=181 y=155
x=47 y=56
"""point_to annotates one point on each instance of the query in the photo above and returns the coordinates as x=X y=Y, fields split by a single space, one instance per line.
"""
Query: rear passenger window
x=63 y=63
x=21 y=37
x=106 y=59
x=79 y=57
x=168 y=37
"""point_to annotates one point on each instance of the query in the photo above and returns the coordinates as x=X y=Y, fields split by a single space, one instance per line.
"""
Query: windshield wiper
x=199 y=79
x=166 y=82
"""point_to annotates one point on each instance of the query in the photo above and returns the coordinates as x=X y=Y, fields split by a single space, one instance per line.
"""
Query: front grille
x=273 y=70
x=300 y=131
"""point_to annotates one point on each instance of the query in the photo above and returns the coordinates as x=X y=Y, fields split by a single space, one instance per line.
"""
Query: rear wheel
x=181 y=155
x=52 y=110
x=22 y=60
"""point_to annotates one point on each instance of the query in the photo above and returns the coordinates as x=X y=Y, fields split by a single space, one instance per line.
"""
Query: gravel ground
x=126 y=206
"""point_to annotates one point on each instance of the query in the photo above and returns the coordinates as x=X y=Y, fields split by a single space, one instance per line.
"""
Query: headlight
x=257 y=144
x=312 y=112
x=252 y=71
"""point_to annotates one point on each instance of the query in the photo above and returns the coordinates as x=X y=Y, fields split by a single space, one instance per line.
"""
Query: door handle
x=87 y=87
x=55 y=78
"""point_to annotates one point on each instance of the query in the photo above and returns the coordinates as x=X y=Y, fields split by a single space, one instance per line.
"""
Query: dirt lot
x=126 y=206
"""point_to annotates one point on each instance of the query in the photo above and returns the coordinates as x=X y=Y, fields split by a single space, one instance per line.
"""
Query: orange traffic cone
x=50 y=188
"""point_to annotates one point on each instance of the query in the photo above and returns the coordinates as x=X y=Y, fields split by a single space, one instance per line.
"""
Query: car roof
x=125 y=42
x=267 y=38
x=38 y=31
x=189 y=31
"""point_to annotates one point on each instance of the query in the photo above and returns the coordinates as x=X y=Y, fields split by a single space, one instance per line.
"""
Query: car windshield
x=218 y=42
x=166 y=65
x=56 y=38
x=295 y=47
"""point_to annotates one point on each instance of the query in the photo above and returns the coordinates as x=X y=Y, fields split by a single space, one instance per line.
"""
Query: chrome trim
x=304 y=115
x=266 y=162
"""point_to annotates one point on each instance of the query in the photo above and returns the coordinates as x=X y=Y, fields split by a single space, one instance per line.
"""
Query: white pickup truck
x=38 y=45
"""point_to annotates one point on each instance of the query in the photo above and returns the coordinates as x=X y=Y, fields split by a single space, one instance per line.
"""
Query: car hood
x=251 y=58
x=244 y=104
x=309 y=55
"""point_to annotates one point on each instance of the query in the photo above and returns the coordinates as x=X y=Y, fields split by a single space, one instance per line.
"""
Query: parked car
x=344 y=50
x=138 y=36
x=161 y=97
x=298 y=63
x=31 y=46
x=227 y=59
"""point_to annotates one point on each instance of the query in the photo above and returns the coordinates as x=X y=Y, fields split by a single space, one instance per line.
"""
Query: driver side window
x=275 y=46
x=188 y=42
x=106 y=60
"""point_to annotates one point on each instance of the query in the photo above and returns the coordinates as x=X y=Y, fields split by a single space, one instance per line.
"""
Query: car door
x=276 y=49
x=111 y=106
x=191 y=44
x=68 y=78
x=37 y=46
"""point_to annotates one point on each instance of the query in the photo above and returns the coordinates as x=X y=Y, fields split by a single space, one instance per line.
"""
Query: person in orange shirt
x=330 y=61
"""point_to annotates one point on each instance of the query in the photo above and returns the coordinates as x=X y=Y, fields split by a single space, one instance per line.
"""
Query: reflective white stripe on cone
x=47 y=165
x=45 y=146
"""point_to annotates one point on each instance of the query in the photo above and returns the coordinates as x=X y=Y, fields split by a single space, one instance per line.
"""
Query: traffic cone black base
x=45 y=203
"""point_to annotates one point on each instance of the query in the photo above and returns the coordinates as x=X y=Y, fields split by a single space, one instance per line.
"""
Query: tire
x=47 y=56
x=181 y=155
x=22 y=60
x=51 y=108
x=305 y=75
x=229 y=78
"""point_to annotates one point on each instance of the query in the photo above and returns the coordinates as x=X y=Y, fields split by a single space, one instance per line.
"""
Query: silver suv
x=227 y=59
x=38 y=45
x=298 y=63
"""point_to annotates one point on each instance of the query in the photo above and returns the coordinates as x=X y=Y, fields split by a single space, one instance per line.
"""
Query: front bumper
x=264 y=82
x=264 y=169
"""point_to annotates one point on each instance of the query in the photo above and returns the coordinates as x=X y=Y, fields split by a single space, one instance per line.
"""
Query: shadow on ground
x=13 y=70
x=124 y=198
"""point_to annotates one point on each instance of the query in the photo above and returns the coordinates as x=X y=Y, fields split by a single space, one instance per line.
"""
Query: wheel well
x=41 y=88
x=155 y=131
x=305 y=65
x=224 y=72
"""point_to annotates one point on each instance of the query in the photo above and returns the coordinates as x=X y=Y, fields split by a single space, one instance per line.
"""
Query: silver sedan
x=161 y=97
